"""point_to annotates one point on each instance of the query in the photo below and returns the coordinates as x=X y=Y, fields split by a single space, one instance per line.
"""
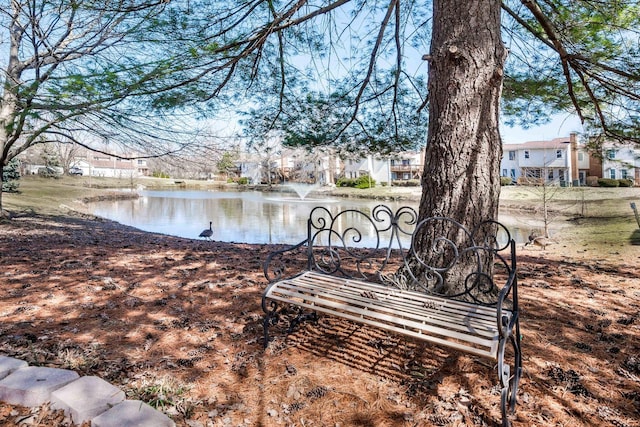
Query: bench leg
x=302 y=317
x=509 y=380
x=271 y=318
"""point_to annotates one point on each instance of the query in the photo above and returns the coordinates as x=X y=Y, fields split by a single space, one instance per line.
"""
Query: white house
x=92 y=164
x=249 y=166
x=621 y=162
x=560 y=161
x=371 y=165
x=97 y=164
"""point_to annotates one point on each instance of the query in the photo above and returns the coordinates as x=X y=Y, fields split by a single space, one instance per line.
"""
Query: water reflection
x=247 y=217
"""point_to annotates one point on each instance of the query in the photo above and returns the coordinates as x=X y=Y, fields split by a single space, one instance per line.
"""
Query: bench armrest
x=285 y=262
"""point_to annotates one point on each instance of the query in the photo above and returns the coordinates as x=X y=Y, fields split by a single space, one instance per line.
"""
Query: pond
x=247 y=216
x=242 y=217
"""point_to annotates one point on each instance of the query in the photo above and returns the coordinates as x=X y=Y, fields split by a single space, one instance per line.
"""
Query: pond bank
x=598 y=219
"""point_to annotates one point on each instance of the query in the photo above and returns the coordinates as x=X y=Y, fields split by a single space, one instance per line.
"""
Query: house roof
x=554 y=143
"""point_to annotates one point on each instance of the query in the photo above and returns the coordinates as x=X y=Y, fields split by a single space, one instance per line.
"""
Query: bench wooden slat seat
x=459 y=325
x=396 y=286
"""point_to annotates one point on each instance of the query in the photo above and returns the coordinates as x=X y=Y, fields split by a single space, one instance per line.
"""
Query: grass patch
x=163 y=393
x=49 y=196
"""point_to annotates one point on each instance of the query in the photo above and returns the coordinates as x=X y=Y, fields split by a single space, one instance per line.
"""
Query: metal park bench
x=385 y=270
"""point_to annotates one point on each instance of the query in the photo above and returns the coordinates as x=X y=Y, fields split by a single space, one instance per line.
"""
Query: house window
x=550 y=175
x=526 y=154
x=405 y=162
x=513 y=173
x=504 y=172
x=611 y=154
x=580 y=156
x=393 y=162
x=140 y=162
x=558 y=154
x=406 y=176
x=612 y=173
x=512 y=155
x=624 y=174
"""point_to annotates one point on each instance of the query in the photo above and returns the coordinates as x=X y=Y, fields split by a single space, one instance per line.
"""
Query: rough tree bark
x=461 y=178
x=3 y=214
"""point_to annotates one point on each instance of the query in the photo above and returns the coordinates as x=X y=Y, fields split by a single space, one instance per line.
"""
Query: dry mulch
x=177 y=323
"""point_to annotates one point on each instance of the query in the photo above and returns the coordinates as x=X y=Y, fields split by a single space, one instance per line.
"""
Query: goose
x=541 y=241
x=207 y=232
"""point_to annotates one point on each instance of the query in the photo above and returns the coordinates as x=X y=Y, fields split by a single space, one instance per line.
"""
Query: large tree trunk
x=461 y=178
x=2 y=212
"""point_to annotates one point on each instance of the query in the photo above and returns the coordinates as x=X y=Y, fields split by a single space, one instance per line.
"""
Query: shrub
x=625 y=183
x=365 y=181
x=346 y=182
x=505 y=180
x=608 y=182
x=10 y=177
x=243 y=180
x=158 y=174
x=592 y=181
x=10 y=187
x=49 y=172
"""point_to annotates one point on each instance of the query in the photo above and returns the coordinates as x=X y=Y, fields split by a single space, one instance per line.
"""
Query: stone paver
x=132 y=413
x=32 y=385
x=86 y=398
x=9 y=365
x=82 y=399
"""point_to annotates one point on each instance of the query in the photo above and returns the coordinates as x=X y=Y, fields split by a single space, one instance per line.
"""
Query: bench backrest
x=436 y=255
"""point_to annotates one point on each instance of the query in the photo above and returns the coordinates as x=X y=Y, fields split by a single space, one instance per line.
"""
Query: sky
x=560 y=126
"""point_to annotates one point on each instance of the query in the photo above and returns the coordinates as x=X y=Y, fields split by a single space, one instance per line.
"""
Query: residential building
x=560 y=161
x=90 y=162
x=378 y=168
x=407 y=166
x=248 y=166
x=103 y=165
x=324 y=166
x=300 y=165
x=290 y=165
x=621 y=161
x=565 y=161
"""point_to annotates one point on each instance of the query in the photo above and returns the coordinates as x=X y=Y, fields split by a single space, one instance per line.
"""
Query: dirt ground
x=177 y=323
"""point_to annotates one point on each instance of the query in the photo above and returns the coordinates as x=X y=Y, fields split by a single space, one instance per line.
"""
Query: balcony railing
x=406 y=168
